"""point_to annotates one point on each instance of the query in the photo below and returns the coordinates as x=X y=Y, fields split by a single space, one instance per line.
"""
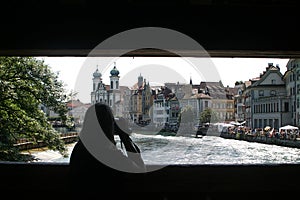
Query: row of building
x=144 y=104
x=272 y=99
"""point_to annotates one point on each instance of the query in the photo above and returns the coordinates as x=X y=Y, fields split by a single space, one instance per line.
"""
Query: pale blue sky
x=157 y=70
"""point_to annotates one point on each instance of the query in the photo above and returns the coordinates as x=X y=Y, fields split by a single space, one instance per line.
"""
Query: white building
x=266 y=101
x=109 y=94
x=161 y=110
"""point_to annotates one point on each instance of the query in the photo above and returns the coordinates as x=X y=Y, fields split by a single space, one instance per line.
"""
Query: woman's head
x=106 y=120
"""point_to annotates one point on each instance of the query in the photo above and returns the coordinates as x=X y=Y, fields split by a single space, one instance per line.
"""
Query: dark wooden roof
x=225 y=28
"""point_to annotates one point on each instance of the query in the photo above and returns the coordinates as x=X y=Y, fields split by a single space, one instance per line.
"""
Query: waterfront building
x=160 y=110
x=205 y=95
x=247 y=96
x=181 y=90
x=222 y=101
x=266 y=101
x=198 y=102
x=174 y=109
x=77 y=110
x=239 y=102
x=166 y=108
x=141 y=101
x=182 y=93
x=292 y=82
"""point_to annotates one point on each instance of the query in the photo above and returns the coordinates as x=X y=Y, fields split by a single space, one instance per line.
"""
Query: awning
x=288 y=127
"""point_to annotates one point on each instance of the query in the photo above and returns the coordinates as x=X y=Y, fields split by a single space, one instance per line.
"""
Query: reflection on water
x=157 y=149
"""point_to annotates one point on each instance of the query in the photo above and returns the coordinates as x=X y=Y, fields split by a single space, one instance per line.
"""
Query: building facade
x=141 y=101
x=109 y=94
x=222 y=100
x=266 y=100
x=292 y=82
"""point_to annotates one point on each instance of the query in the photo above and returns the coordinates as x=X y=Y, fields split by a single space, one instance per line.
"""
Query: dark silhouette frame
x=224 y=28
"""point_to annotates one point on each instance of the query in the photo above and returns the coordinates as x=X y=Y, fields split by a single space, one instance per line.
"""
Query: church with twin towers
x=128 y=102
x=109 y=94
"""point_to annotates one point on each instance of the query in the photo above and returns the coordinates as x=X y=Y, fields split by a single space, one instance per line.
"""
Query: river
x=166 y=150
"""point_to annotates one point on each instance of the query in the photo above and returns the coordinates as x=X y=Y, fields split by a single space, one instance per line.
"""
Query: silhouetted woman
x=97 y=166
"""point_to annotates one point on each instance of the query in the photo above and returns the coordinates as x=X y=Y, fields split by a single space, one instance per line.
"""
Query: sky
x=77 y=72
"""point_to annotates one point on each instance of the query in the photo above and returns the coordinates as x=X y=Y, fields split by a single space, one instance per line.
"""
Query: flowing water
x=166 y=150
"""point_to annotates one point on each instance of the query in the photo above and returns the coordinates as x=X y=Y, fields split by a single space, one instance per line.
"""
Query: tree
x=238 y=82
x=26 y=83
x=208 y=115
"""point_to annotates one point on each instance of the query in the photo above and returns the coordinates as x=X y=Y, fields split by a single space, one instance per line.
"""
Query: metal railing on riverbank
x=24 y=144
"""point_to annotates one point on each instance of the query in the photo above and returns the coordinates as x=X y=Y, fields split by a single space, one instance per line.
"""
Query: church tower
x=114 y=92
x=99 y=93
x=114 y=78
x=96 y=82
x=140 y=81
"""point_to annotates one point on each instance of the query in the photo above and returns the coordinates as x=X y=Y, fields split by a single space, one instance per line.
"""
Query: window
x=273 y=92
x=261 y=93
x=205 y=104
x=286 y=107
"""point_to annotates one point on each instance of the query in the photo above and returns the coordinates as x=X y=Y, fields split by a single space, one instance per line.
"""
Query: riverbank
x=23 y=144
x=262 y=139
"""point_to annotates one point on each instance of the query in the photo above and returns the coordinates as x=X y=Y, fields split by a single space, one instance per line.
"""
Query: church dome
x=114 y=71
x=97 y=73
